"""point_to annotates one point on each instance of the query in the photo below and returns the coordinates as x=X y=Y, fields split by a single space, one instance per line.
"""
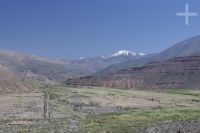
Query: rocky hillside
x=98 y=63
x=179 y=72
x=12 y=83
x=190 y=126
x=52 y=69
x=40 y=68
x=183 y=48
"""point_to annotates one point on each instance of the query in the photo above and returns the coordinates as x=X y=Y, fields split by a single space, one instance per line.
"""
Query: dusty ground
x=59 y=109
x=22 y=105
x=190 y=126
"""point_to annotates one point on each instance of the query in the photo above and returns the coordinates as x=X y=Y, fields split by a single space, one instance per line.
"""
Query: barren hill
x=183 y=48
x=179 y=72
x=9 y=82
x=40 y=68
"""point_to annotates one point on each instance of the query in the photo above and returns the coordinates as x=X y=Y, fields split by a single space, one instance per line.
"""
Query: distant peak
x=81 y=58
x=141 y=54
x=127 y=53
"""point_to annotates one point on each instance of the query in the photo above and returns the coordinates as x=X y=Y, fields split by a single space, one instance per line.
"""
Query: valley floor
x=60 y=109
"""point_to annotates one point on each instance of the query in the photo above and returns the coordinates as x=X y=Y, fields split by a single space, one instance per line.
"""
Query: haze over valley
x=99 y=66
x=59 y=89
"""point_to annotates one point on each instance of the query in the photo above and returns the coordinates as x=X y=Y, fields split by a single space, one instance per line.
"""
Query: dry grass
x=93 y=110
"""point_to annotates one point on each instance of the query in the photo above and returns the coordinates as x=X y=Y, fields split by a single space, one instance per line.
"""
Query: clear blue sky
x=86 y=28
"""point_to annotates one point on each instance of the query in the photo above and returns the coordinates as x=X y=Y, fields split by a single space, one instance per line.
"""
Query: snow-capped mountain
x=46 y=69
x=126 y=53
x=100 y=62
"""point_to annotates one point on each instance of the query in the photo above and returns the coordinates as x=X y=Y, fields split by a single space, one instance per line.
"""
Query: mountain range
x=176 y=67
x=183 y=48
x=16 y=66
x=98 y=63
x=115 y=70
x=178 y=72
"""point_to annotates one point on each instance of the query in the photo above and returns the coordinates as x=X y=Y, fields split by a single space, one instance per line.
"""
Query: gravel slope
x=191 y=126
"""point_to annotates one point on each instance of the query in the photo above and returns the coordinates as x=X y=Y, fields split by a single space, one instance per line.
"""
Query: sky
x=88 y=28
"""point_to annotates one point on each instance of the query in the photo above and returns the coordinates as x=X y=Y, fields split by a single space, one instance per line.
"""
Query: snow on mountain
x=141 y=54
x=81 y=58
x=119 y=53
x=127 y=53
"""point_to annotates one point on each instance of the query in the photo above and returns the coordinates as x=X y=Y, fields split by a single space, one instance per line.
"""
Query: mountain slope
x=47 y=69
x=99 y=63
x=179 y=72
x=127 y=64
x=184 y=48
x=41 y=68
x=126 y=53
x=12 y=83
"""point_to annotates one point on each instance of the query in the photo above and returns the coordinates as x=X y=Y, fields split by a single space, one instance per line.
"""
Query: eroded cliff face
x=179 y=72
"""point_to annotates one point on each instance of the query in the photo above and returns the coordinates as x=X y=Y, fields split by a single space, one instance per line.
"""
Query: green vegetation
x=185 y=92
x=133 y=120
x=171 y=105
x=94 y=110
